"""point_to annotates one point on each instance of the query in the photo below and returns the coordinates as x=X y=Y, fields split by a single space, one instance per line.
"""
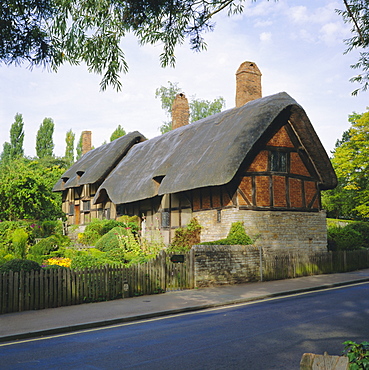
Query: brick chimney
x=86 y=141
x=180 y=111
x=248 y=83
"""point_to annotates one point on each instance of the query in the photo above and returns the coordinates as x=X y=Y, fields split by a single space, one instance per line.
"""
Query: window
x=71 y=209
x=86 y=205
x=278 y=161
x=106 y=213
x=219 y=215
x=165 y=219
x=78 y=192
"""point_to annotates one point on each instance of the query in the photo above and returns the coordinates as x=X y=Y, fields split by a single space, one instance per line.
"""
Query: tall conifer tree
x=14 y=149
x=69 y=149
x=44 y=139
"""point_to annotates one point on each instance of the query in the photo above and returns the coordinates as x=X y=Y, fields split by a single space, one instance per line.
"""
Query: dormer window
x=278 y=161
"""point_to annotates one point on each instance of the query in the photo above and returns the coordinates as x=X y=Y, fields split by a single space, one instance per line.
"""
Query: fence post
x=261 y=262
x=192 y=269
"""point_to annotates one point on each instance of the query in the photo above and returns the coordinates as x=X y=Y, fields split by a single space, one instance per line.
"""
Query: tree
x=54 y=32
x=356 y=13
x=26 y=190
x=69 y=148
x=351 y=162
x=44 y=139
x=203 y=108
x=198 y=108
x=79 y=148
x=118 y=132
x=166 y=96
x=14 y=149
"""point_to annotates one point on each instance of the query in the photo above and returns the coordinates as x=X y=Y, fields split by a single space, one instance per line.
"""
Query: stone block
x=311 y=361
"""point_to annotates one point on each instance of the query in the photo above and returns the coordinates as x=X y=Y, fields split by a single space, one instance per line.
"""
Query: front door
x=76 y=214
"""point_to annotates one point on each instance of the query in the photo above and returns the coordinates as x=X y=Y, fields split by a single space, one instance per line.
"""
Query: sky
x=297 y=45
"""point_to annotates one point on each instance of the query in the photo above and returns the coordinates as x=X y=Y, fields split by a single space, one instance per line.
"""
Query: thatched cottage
x=261 y=163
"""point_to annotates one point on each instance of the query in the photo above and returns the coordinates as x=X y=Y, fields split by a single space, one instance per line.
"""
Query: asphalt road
x=270 y=334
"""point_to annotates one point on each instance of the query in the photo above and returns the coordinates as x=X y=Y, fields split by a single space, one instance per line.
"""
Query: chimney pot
x=180 y=111
x=248 y=83
x=86 y=141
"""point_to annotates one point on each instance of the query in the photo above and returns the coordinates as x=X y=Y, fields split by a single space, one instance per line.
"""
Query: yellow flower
x=60 y=261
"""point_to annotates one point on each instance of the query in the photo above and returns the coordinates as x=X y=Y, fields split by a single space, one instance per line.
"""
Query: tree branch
x=354 y=20
x=219 y=9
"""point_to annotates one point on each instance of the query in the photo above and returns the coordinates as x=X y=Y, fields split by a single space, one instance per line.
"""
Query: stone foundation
x=298 y=232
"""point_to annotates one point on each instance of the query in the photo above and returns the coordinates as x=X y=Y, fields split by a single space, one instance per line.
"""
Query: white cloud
x=263 y=23
x=332 y=33
x=298 y=14
x=265 y=37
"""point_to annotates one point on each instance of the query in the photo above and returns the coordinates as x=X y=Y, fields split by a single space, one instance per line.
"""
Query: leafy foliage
x=19 y=243
x=236 y=236
x=358 y=354
x=49 y=244
x=85 y=261
x=186 y=237
x=203 y=108
x=14 y=149
x=351 y=163
x=79 y=148
x=26 y=190
x=91 y=31
x=23 y=31
x=97 y=228
x=356 y=13
x=198 y=108
x=118 y=237
x=118 y=132
x=344 y=238
x=44 y=139
x=69 y=148
x=17 y=265
x=363 y=229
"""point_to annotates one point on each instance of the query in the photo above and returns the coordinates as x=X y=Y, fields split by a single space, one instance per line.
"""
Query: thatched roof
x=96 y=164
x=210 y=151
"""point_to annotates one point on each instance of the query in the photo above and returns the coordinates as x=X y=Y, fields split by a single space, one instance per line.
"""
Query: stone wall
x=303 y=232
x=224 y=264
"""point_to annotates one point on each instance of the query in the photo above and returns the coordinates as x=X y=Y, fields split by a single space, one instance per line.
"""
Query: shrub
x=117 y=255
x=48 y=245
x=6 y=231
x=18 y=265
x=111 y=224
x=185 y=238
x=89 y=237
x=95 y=226
x=363 y=229
x=358 y=354
x=53 y=267
x=51 y=227
x=344 y=238
x=85 y=261
x=236 y=236
x=98 y=228
x=130 y=220
x=19 y=243
x=118 y=237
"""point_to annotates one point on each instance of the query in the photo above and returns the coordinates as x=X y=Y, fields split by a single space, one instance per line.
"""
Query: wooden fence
x=287 y=266
x=64 y=287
